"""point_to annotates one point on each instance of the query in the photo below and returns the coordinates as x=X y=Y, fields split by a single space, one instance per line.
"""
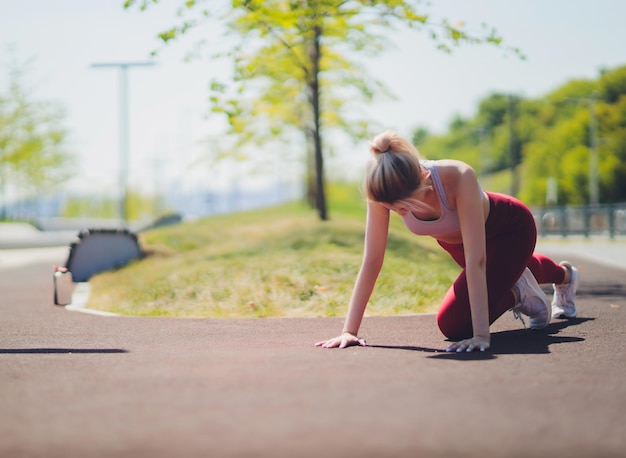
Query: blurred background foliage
x=34 y=156
x=545 y=150
x=518 y=145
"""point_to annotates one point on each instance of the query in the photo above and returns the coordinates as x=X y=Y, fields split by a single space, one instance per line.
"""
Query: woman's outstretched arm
x=469 y=203
x=376 y=233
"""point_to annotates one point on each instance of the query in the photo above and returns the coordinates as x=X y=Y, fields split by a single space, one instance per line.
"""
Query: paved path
x=23 y=235
x=602 y=250
x=77 y=385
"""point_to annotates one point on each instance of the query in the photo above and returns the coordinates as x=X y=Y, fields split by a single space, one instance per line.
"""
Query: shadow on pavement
x=601 y=289
x=408 y=347
x=512 y=342
x=37 y=351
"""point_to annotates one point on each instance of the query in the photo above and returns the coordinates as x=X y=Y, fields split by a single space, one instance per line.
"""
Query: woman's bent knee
x=454 y=329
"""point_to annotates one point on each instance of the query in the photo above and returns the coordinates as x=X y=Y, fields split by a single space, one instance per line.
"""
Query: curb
x=79 y=299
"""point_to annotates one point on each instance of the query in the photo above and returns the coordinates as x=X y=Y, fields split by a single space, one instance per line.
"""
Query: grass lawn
x=274 y=262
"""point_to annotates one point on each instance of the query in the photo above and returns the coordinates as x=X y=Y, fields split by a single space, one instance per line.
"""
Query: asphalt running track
x=78 y=385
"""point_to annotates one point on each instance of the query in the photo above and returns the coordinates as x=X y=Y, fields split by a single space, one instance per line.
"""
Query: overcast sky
x=562 y=39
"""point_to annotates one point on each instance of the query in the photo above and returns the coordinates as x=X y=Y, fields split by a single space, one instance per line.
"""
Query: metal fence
x=608 y=220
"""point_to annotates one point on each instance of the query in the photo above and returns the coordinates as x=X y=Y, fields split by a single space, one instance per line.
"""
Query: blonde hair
x=394 y=172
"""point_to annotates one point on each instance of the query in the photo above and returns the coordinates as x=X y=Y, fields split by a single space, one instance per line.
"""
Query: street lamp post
x=594 y=180
x=594 y=188
x=123 y=135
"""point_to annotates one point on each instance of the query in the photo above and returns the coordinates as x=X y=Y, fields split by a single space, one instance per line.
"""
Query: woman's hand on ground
x=476 y=343
x=344 y=340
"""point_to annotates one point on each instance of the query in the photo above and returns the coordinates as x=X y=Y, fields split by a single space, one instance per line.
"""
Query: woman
x=491 y=236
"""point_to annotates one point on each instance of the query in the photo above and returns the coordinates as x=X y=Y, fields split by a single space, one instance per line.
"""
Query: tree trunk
x=3 y=209
x=311 y=193
x=320 y=195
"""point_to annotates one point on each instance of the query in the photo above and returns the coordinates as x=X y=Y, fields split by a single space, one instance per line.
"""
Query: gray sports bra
x=447 y=223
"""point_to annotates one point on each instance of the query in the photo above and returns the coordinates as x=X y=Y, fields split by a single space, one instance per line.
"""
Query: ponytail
x=394 y=172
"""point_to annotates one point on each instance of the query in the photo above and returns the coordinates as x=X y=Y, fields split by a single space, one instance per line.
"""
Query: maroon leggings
x=511 y=235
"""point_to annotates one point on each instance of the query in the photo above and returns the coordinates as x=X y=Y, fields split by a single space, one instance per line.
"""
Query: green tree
x=420 y=135
x=612 y=151
x=559 y=137
x=492 y=114
x=292 y=70
x=33 y=157
x=613 y=84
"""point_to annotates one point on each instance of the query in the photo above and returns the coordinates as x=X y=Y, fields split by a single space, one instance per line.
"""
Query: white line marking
x=79 y=299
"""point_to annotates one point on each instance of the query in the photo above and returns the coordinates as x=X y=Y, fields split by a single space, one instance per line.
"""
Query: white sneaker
x=564 y=298
x=532 y=301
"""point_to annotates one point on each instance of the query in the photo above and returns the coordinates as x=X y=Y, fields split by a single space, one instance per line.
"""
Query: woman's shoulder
x=450 y=166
